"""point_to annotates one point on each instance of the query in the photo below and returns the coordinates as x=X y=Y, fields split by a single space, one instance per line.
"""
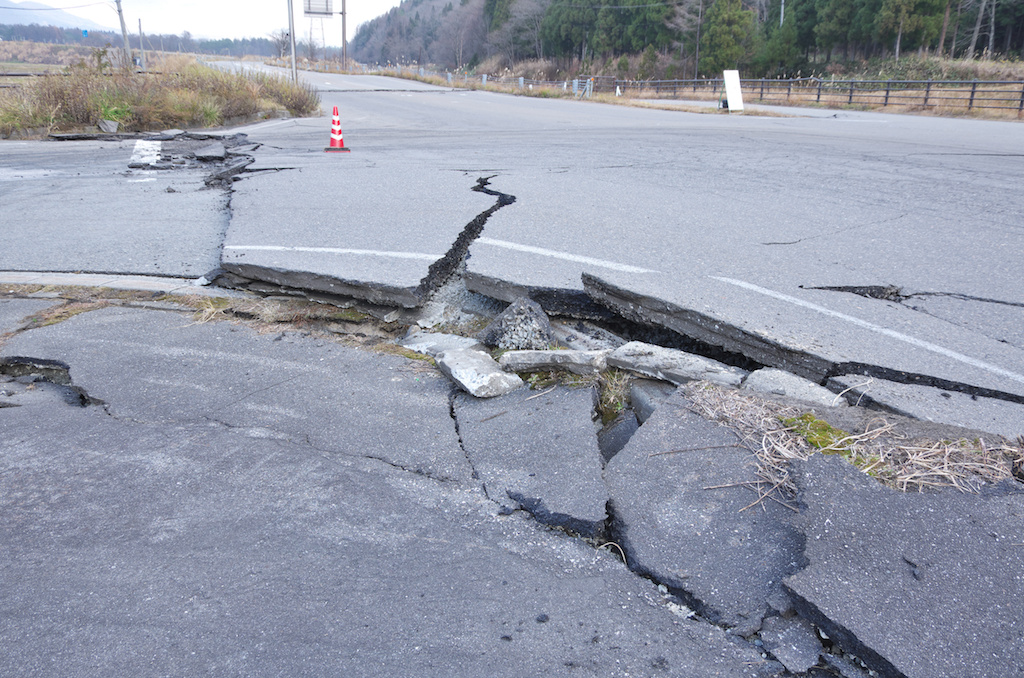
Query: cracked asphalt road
x=222 y=463
x=274 y=504
x=726 y=229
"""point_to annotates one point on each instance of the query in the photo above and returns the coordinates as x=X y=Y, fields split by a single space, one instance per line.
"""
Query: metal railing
x=911 y=94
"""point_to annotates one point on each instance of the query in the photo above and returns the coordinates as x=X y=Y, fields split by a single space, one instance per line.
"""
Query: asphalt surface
x=263 y=504
x=768 y=236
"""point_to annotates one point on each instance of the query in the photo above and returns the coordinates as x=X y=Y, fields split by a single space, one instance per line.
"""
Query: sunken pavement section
x=196 y=497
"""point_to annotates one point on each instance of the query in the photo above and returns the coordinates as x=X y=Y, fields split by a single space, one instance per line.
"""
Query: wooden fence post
x=888 y=84
x=819 y=92
x=927 y=91
x=974 y=88
x=849 y=101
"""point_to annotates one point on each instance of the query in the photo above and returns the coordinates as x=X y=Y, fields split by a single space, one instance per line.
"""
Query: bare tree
x=281 y=41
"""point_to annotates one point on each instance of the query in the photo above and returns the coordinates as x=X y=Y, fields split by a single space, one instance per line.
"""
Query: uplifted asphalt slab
x=538 y=452
x=683 y=515
x=915 y=584
x=210 y=518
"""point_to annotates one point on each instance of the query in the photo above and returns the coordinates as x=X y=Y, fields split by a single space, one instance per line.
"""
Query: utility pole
x=291 y=38
x=142 y=48
x=124 y=34
x=782 y=13
x=344 y=39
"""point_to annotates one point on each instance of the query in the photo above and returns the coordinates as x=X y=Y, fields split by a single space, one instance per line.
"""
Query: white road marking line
x=624 y=268
x=146 y=152
x=337 y=250
x=892 y=334
x=140 y=181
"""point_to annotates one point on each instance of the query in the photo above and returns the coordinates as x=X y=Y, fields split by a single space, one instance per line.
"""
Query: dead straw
x=881 y=450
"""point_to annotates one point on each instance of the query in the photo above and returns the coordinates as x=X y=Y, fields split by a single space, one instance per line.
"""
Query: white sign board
x=733 y=93
x=319 y=8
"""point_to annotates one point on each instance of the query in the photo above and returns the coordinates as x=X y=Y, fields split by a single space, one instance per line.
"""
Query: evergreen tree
x=835 y=18
x=781 y=53
x=727 y=32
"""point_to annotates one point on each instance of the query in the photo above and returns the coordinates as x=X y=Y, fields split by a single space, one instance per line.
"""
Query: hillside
x=688 y=37
x=27 y=13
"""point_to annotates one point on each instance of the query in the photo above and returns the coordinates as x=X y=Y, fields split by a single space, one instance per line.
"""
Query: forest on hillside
x=760 y=37
x=271 y=46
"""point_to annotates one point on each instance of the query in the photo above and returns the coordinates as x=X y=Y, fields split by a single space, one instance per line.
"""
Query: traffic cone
x=337 y=143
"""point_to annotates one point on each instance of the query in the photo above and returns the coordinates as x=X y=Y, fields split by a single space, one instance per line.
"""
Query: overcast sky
x=223 y=18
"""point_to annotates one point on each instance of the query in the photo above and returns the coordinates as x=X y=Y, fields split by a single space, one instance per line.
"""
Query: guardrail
x=944 y=95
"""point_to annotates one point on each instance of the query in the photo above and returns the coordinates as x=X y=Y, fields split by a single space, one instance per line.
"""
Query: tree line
x=760 y=37
x=165 y=43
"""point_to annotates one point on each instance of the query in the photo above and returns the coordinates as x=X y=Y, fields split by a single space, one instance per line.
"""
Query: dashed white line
x=337 y=250
x=892 y=334
x=146 y=152
x=565 y=256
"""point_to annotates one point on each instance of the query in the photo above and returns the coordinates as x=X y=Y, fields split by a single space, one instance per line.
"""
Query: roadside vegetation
x=176 y=92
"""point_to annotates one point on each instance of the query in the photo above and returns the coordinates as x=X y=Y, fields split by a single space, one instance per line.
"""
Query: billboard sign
x=317 y=8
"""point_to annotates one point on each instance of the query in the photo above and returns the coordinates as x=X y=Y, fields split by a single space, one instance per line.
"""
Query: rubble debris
x=476 y=373
x=792 y=641
x=523 y=325
x=435 y=343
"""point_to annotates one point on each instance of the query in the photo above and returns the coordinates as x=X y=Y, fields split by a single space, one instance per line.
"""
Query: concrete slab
x=577 y=362
x=162 y=367
x=435 y=343
x=477 y=373
x=682 y=517
x=672 y=365
x=538 y=452
x=14 y=312
x=782 y=383
x=915 y=585
x=197 y=548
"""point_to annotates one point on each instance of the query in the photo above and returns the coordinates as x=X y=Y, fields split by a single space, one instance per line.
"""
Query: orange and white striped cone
x=337 y=143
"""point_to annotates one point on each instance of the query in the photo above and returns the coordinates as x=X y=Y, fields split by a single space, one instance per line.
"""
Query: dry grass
x=777 y=434
x=190 y=96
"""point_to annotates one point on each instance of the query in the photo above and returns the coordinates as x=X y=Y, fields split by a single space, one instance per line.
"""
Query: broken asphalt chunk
x=916 y=585
x=476 y=373
x=538 y=454
x=645 y=395
x=523 y=325
x=672 y=365
x=577 y=362
x=213 y=152
x=435 y=343
x=792 y=641
x=684 y=517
